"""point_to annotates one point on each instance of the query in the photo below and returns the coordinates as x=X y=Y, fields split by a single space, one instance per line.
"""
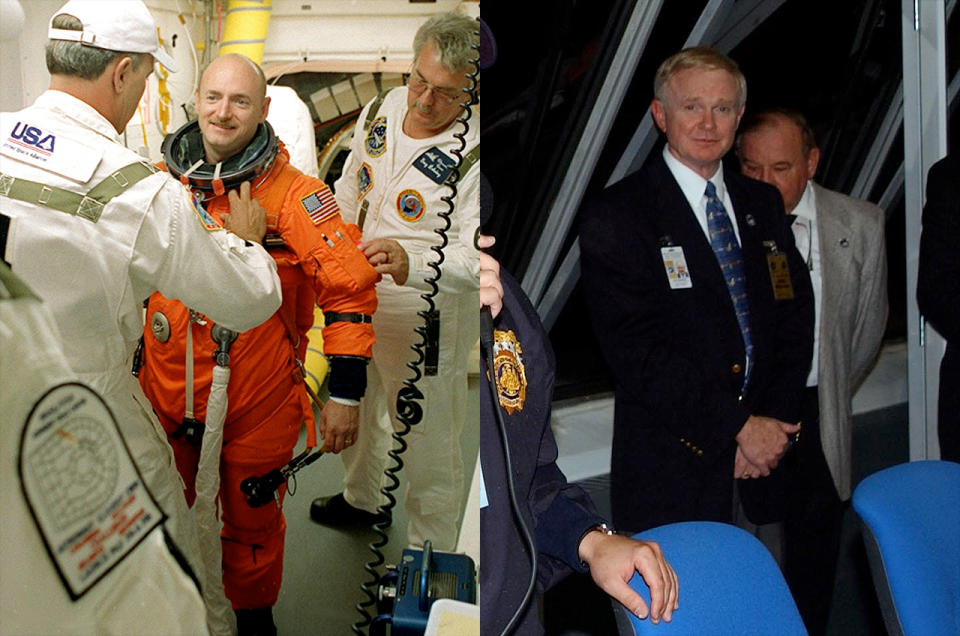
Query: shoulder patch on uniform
x=89 y=502
x=26 y=141
x=376 y=142
x=320 y=206
x=410 y=205
x=435 y=164
x=209 y=223
x=364 y=180
x=511 y=377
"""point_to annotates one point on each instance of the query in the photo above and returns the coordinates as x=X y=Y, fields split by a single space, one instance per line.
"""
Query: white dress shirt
x=694 y=190
x=808 y=244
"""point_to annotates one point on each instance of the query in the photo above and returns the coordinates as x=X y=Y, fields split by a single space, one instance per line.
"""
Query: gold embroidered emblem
x=511 y=378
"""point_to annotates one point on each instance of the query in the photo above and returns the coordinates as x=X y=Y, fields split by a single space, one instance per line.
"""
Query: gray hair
x=77 y=59
x=454 y=35
x=698 y=57
x=769 y=117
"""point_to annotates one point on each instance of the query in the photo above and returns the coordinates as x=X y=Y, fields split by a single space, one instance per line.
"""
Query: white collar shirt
x=694 y=188
x=808 y=244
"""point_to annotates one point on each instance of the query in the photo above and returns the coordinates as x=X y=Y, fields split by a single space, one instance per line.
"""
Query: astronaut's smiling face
x=230 y=104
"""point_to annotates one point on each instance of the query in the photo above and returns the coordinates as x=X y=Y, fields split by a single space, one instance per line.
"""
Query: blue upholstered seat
x=911 y=528
x=729 y=585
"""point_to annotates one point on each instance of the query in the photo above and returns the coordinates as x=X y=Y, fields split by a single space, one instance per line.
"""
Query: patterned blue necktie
x=727 y=250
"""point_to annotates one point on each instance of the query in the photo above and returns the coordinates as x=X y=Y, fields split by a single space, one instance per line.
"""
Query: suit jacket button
x=736 y=368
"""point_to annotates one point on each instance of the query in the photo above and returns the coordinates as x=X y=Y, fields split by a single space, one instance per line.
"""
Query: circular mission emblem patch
x=410 y=205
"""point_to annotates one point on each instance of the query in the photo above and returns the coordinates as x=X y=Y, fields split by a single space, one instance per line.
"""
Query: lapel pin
x=750 y=221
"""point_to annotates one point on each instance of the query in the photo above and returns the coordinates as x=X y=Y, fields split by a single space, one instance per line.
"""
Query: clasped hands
x=760 y=444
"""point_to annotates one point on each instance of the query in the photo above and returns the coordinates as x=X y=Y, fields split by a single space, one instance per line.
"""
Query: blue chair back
x=911 y=529
x=729 y=585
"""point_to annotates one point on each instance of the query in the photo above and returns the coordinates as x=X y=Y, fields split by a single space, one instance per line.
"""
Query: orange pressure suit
x=319 y=263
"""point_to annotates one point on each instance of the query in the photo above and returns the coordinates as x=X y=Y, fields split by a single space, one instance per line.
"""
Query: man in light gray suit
x=842 y=241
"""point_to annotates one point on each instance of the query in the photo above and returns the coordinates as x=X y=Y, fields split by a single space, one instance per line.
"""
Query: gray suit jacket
x=853 y=317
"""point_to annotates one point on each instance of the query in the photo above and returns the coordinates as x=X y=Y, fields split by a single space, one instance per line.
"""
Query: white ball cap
x=114 y=25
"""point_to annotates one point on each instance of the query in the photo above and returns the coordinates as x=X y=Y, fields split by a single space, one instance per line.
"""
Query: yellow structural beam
x=245 y=28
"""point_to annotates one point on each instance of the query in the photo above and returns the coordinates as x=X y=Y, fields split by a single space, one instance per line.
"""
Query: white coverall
x=94 y=276
x=146 y=591
x=390 y=181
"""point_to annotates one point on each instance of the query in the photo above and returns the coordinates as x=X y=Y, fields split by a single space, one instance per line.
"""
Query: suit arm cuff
x=561 y=527
x=733 y=417
x=348 y=377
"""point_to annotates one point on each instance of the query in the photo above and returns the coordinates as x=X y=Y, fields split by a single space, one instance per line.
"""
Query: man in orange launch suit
x=231 y=151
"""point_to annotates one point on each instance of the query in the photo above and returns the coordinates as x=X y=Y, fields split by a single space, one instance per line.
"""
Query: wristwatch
x=600 y=527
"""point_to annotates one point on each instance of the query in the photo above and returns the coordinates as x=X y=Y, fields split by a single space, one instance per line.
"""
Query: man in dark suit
x=938 y=291
x=703 y=310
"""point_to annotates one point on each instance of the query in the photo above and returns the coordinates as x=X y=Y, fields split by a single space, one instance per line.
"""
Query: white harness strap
x=220 y=617
x=190 y=170
x=188 y=379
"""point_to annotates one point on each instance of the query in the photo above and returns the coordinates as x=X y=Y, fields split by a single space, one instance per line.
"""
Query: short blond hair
x=705 y=57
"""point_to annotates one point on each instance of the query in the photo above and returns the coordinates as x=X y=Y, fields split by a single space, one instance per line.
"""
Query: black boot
x=255 y=622
x=335 y=511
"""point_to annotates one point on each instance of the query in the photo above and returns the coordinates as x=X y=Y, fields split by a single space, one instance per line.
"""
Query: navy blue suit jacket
x=558 y=514
x=677 y=355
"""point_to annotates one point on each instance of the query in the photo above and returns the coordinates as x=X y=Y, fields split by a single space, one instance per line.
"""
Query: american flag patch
x=320 y=206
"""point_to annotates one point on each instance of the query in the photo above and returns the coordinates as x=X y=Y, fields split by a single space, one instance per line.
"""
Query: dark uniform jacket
x=557 y=513
x=938 y=291
x=677 y=355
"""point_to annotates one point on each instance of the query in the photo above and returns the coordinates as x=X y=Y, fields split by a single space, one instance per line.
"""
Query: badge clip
x=780 y=275
x=675 y=266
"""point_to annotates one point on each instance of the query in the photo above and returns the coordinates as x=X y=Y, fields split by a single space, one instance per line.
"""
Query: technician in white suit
x=842 y=241
x=94 y=231
x=82 y=539
x=392 y=187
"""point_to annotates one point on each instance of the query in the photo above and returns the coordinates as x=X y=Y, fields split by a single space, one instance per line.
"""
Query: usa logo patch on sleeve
x=320 y=206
